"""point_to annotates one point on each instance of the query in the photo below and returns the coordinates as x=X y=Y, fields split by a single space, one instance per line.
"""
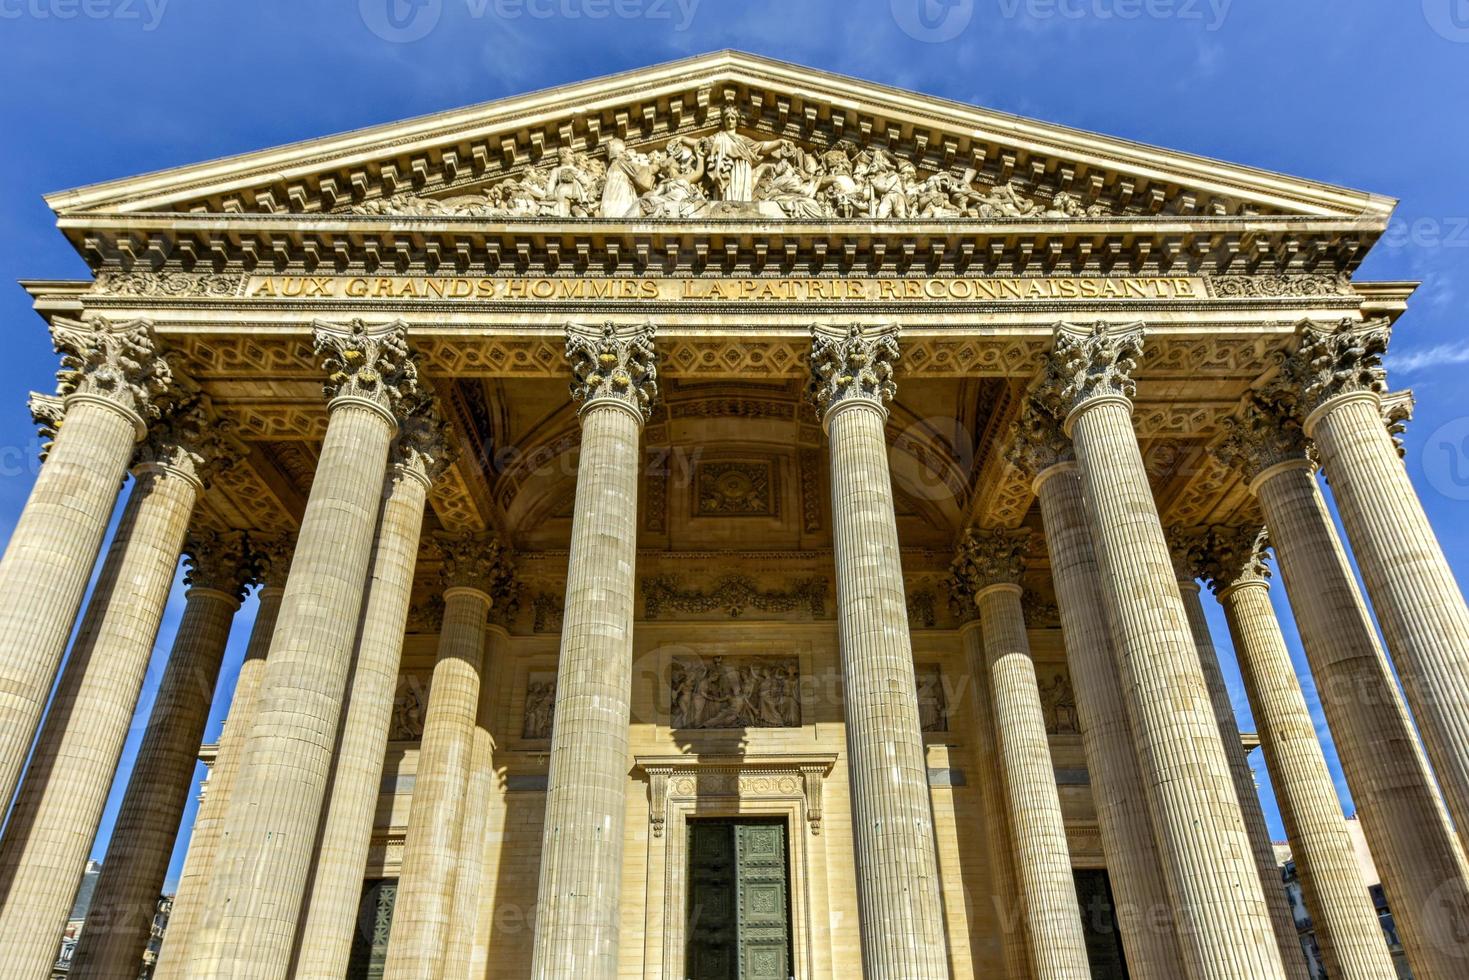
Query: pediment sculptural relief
x=730 y=174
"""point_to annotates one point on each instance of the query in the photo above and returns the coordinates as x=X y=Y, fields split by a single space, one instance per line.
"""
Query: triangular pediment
x=721 y=136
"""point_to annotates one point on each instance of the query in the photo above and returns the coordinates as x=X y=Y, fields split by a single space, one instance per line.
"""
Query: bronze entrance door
x=739 y=922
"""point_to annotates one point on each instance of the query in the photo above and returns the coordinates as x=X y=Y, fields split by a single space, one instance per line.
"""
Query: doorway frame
x=733 y=788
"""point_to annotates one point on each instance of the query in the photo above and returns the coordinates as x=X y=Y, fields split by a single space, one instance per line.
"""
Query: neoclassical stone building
x=721 y=521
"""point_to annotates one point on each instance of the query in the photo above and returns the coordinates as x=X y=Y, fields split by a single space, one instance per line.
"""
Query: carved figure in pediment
x=680 y=173
x=630 y=175
x=1067 y=205
x=931 y=198
x=732 y=157
x=890 y=185
x=573 y=186
x=793 y=184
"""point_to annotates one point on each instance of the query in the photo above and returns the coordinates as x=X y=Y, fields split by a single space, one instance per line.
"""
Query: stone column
x=1013 y=946
x=475 y=569
x=1190 y=551
x=1412 y=842
x=1347 y=930
x=892 y=819
x=1224 y=924
x=265 y=852
x=1144 y=914
x=615 y=379
x=467 y=958
x=329 y=920
x=110 y=379
x=59 y=807
x=1340 y=379
x=220 y=570
x=988 y=569
x=272 y=559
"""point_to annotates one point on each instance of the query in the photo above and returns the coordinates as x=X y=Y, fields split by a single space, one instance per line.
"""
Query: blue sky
x=1365 y=93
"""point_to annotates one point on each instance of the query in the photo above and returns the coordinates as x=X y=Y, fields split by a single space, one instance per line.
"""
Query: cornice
x=446 y=150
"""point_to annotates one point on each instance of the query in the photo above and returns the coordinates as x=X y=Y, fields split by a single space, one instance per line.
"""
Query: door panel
x=739 y=901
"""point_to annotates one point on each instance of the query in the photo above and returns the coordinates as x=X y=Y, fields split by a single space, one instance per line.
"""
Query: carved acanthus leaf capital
x=1336 y=359
x=1235 y=556
x=424 y=447
x=1265 y=432
x=190 y=440
x=612 y=364
x=1397 y=412
x=1094 y=362
x=224 y=562
x=371 y=363
x=120 y=362
x=47 y=411
x=985 y=558
x=271 y=555
x=1038 y=439
x=1189 y=548
x=854 y=364
x=479 y=561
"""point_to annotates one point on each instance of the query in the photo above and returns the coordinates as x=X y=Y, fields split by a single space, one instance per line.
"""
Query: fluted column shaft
x=1347 y=930
x=132 y=875
x=1052 y=917
x=49 y=561
x=265 y=852
x=581 y=851
x=1418 y=602
x=204 y=840
x=329 y=920
x=466 y=958
x=1144 y=917
x=1291 y=954
x=892 y=817
x=1013 y=946
x=1415 y=850
x=1224 y=924
x=60 y=804
x=422 y=917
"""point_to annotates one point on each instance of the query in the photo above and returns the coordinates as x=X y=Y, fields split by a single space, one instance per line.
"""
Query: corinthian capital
x=189 y=440
x=222 y=562
x=1336 y=359
x=609 y=364
x=1189 y=549
x=119 y=362
x=374 y=364
x=47 y=412
x=1038 y=439
x=424 y=448
x=985 y=558
x=1235 y=556
x=270 y=555
x=479 y=561
x=1094 y=362
x=852 y=365
x=1265 y=432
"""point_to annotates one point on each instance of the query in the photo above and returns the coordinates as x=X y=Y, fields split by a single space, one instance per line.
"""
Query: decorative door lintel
x=675 y=779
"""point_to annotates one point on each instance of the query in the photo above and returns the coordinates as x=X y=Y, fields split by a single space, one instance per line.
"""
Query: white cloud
x=1411 y=361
